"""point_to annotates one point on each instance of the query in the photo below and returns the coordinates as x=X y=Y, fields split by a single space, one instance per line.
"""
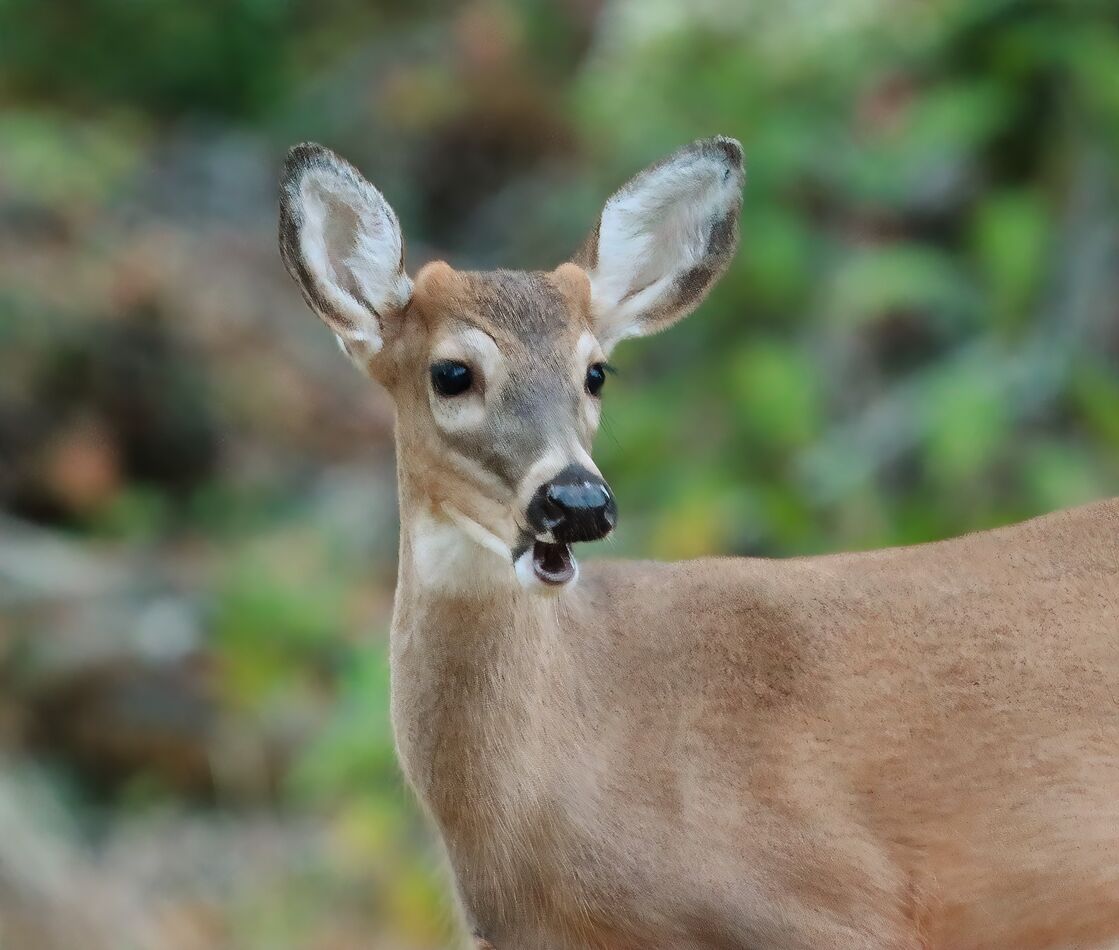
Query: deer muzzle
x=576 y=505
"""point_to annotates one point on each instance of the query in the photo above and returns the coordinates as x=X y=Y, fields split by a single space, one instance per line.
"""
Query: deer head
x=497 y=377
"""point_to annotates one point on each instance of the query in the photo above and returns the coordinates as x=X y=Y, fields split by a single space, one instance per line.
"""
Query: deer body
x=901 y=750
x=912 y=748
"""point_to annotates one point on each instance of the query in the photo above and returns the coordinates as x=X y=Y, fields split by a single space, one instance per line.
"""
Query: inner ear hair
x=663 y=239
x=341 y=242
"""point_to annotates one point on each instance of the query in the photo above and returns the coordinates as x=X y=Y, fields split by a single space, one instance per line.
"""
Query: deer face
x=494 y=378
x=498 y=377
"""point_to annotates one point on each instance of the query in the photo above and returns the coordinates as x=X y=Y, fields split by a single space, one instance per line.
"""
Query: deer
x=901 y=749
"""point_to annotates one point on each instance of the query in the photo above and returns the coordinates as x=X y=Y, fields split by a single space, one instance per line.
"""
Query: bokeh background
x=919 y=337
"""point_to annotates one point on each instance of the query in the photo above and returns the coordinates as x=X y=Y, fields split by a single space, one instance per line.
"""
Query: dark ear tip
x=730 y=148
x=301 y=157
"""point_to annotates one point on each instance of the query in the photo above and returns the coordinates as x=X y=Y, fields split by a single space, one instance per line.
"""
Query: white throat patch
x=458 y=555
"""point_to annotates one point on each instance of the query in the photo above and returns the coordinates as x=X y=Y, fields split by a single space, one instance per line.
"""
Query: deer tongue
x=553 y=563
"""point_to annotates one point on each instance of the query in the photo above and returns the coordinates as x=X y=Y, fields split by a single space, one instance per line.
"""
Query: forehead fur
x=514 y=307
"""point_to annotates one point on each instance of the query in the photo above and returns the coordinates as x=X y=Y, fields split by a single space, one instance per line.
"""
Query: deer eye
x=596 y=378
x=450 y=378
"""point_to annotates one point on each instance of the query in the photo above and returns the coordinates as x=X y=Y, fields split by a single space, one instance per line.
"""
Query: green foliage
x=276 y=631
x=776 y=396
x=882 y=280
x=169 y=56
x=966 y=423
x=63 y=163
x=914 y=181
x=1010 y=241
x=354 y=752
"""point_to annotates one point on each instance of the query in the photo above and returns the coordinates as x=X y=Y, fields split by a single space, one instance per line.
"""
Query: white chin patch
x=537 y=573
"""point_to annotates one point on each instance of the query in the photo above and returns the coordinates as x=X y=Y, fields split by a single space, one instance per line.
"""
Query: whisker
x=606 y=427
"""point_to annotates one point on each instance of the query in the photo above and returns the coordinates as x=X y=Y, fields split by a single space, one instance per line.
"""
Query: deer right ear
x=663 y=240
x=341 y=242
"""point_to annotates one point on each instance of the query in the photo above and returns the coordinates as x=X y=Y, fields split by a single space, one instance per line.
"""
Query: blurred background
x=919 y=337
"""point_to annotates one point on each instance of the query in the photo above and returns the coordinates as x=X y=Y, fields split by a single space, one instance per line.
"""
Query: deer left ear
x=663 y=240
x=341 y=242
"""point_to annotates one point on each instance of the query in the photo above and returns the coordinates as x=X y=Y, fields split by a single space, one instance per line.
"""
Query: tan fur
x=574 y=284
x=913 y=748
x=909 y=749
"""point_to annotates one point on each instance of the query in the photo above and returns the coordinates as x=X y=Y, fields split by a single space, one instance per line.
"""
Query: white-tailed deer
x=911 y=748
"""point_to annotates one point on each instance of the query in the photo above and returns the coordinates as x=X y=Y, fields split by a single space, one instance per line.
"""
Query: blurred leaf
x=776 y=393
x=775 y=258
x=924 y=156
x=61 y=162
x=1095 y=392
x=1092 y=56
x=1010 y=237
x=967 y=424
x=690 y=527
x=169 y=56
x=1061 y=474
x=877 y=281
x=355 y=752
x=276 y=636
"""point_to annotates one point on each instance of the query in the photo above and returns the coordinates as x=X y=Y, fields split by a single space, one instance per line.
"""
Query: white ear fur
x=341 y=242
x=663 y=239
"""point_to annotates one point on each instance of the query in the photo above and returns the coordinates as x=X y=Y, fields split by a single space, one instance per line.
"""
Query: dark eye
x=596 y=377
x=449 y=378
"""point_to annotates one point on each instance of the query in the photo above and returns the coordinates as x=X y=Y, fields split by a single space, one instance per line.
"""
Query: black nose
x=576 y=505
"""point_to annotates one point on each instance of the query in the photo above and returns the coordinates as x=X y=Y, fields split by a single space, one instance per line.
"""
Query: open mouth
x=553 y=563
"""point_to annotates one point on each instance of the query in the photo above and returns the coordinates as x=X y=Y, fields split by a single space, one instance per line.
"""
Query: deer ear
x=341 y=242
x=663 y=239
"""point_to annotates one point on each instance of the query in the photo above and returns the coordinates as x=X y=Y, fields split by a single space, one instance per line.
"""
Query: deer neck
x=471 y=654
